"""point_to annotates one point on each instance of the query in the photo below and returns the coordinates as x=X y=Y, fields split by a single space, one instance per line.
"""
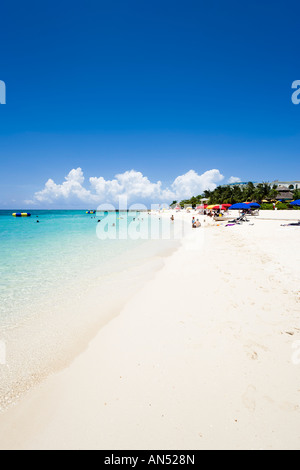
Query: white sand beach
x=205 y=355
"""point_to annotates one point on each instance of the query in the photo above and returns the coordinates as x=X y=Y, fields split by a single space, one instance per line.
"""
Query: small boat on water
x=90 y=212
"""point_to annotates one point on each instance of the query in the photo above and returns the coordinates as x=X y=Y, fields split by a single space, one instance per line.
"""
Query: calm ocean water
x=60 y=283
x=39 y=260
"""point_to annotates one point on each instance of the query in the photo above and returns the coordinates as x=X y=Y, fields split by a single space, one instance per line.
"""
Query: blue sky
x=159 y=87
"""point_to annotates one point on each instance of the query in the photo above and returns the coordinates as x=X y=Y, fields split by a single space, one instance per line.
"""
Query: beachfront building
x=283 y=185
x=284 y=193
x=240 y=184
x=291 y=185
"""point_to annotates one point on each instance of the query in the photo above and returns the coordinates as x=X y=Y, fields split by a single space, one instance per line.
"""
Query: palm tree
x=249 y=192
x=296 y=194
x=234 y=194
x=273 y=192
x=262 y=191
x=207 y=194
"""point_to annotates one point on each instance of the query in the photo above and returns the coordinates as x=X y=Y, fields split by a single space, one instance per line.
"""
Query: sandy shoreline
x=201 y=357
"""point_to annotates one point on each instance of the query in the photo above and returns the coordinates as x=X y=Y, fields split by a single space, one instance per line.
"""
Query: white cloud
x=192 y=184
x=132 y=185
x=234 y=179
x=71 y=188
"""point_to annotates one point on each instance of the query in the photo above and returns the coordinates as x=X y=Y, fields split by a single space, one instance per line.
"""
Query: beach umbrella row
x=215 y=207
x=224 y=207
x=244 y=206
x=239 y=207
x=296 y=203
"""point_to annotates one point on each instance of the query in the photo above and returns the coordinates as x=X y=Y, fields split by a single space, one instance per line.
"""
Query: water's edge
x=40 y=347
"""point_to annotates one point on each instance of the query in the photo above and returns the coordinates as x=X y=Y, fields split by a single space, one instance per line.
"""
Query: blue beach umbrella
x=239 y=207
x=296 y=203
x=254 y=205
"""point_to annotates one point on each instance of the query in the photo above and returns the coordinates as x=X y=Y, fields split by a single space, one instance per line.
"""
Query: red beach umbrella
x=223 y=207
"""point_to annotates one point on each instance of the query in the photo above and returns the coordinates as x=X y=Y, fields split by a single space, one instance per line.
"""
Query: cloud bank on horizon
x=130 y=185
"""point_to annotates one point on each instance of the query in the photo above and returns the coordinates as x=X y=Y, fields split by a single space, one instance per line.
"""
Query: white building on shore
x=288 y=184
x=291 y=185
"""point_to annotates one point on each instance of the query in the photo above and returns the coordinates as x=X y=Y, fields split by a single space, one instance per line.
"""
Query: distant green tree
x=234 y=194
x=193 y=201
x=296 y=194
x=207 y=194
x=273 y=192
x=249 y=192
x=263 y=191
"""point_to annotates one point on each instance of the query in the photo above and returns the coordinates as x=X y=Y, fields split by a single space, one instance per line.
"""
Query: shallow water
x=40 y=259
x=59 y=283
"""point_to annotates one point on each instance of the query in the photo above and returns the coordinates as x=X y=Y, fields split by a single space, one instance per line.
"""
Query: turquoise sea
x=39 y=259
x=60 y=282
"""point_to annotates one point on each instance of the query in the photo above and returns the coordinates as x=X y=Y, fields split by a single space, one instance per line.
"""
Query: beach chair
x=239 y=220
x=293 y=224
